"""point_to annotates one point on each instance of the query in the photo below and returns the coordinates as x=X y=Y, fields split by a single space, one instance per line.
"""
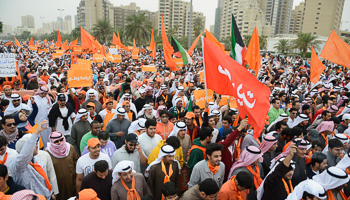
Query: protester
x=118 y=127
x=207 y=189
x=80 y=127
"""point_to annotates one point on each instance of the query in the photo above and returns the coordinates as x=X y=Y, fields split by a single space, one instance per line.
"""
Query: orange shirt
x=45 y=78
x=164 y=130
x=228 y=192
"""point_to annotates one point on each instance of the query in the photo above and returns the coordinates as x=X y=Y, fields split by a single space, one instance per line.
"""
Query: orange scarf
x=167 y=177
x=347 y=171
x=165 y=98
x=213 y=169
x=325 y=139
x=5 y=158
x=331 y=197
x=200 y=122
x=130 y=114
x=286 y=186
x=132 y=193
x=41 y=171
x=238 y=193
x=257 y=179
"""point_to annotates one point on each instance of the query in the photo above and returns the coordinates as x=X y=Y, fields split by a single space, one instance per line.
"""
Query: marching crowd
x=135 y=134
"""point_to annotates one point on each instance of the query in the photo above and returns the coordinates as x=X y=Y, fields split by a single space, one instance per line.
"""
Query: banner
x=60 y=51
x=80 y=67
x=149 y=68
x=82 y=61
x=117 y=58
x=33 y=48
x=233 y=102
x=56 y=55
x=7 y=65
x=98 y=58
x=135 y=55
x=200 y=97
x=113 y=51
x=79 y=78
x=179 y=62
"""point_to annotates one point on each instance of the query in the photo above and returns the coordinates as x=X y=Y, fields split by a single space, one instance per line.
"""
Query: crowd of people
x=135 y=134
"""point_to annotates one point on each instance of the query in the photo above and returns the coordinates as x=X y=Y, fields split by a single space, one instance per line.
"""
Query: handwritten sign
x=79 y=78
x=200 y=97
x=149 y=68
x=7 y=64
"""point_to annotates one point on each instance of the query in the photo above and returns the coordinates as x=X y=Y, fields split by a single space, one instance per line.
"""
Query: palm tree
x=102 y=29
x=305 y=41
x=282 y=45
x=53 y=35
x=172 y=31
x=0 y=27
x=198 y=26
x=138 y=27
x=262 y=41
x=247 y=40
x=75 y=33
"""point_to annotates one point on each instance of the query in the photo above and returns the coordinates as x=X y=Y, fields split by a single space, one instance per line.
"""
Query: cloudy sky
x=12 y=10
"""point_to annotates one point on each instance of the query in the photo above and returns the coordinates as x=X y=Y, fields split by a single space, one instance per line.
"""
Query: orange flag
x=134 y=44
x=168 y=50
x=17 y=43
x=193 y=45
x=45 y=41
x=59 y=40
x=115 y=39
x=152 y=46
x=317 y=67
x=18 y=75
x=74 y=43
x=336 y=50
x=253 y=53
x=121 y=44
x=212 y=39
x=9 y=43
x=87 y=40
x=31 y=41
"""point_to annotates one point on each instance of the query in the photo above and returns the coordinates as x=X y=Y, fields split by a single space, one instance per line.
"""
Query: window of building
x=318 y=8
x=315 y=27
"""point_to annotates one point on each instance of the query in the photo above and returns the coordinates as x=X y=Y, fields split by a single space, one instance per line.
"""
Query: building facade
x=278 y=14
x=28 y=21
x=322 y=16
x=89 y=12
x=296 y=22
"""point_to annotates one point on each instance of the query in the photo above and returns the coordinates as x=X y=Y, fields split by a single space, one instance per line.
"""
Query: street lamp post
x=190 y=31
x=61 y=10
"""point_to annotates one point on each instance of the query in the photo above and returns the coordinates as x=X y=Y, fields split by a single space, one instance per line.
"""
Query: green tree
x=247 y=40
x=305 y=41
x=227 y=43
x=172 y=31
x=53 y=35
x=0 y=27
x=25 y=35
x=282 y=45
x=263 y=41
x=101 y=30
x=198 y=26
x=347 y=40
x=138 y=27
x=75 y=33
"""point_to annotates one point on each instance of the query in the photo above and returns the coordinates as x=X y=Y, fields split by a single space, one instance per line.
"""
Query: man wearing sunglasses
x=10 y=131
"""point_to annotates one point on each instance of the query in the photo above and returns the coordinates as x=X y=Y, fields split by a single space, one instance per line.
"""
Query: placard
x=79 y=78
x=80 y=67
x=135 y=55
x=33 y=48
x=117 y=58
x=56 y=55
x=113 y=51
x=179 y=62
x=149 y=68
x=82 y=61
x=223 y=101
x=98 y=58
x=200 y=97
x=77 y=50
x=7 y=65
x=60 y=51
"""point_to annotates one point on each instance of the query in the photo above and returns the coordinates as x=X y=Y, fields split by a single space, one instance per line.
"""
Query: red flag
x=115 y=40
x=336 y=50
x=152 y=46
x=317 y=67
x=59 y=40
x=251 y=95
x=253 y=53
x=17 y=43
x=193 y=45
x=31 y=41
x=168 y=50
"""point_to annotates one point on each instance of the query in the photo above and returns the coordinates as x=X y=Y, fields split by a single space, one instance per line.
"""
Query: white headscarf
x=12 y=109
x=177 y=127
x=340 y=136
x=164 y=151
x=344 y=162
x=280 y=118
x=137 y=125
x=132 y=105
x=80 y=113
x=345 y=110
x=310 y=186
x=55 y=82
x=119 y=111
x=331 y=178
x=299 y=119
x=145 y=107
x=91 y=92
x=122 y=166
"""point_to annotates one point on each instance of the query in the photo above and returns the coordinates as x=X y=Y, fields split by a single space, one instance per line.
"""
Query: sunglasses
x=11 y=124
x=165 y=116
x=127 y=106
x=57 y=141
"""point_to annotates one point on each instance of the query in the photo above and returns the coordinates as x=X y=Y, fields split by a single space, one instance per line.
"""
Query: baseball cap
x=313 y=134
x=93 y=142
x=91 y=104
x=61 y=97
x=132 y=137
x=82 y=92
x=87 y=194
x=190 y=115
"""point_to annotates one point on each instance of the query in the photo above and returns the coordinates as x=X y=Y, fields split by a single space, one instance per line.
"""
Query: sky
x=12 y=10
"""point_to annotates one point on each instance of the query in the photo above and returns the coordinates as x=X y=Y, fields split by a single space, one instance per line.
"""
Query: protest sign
x=56 y=55
x=33 y=48
x=81 y=66
x=135 y=55
x=98 y=58
x=79 y=78
x=113 y=51
x=149 y=68
x=7 y=65
x=201 y=76
x=224 y=98
x=60 y=51
x=200 y=97
x=117 y=58
x=82 y=61
x=77 y=50
x=179 y=62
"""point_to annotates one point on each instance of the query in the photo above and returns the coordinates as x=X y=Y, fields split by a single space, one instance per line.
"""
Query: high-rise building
x=278 y=14
x=247 y=13
x=75 y=21
x=28 y=21
x=122 y=12
x=68 y=24
x=322 y=16
x=91 y=11
x=296 y=22
x=176 y=13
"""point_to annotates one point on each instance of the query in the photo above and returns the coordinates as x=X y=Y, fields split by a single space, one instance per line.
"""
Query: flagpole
x=205 y=77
